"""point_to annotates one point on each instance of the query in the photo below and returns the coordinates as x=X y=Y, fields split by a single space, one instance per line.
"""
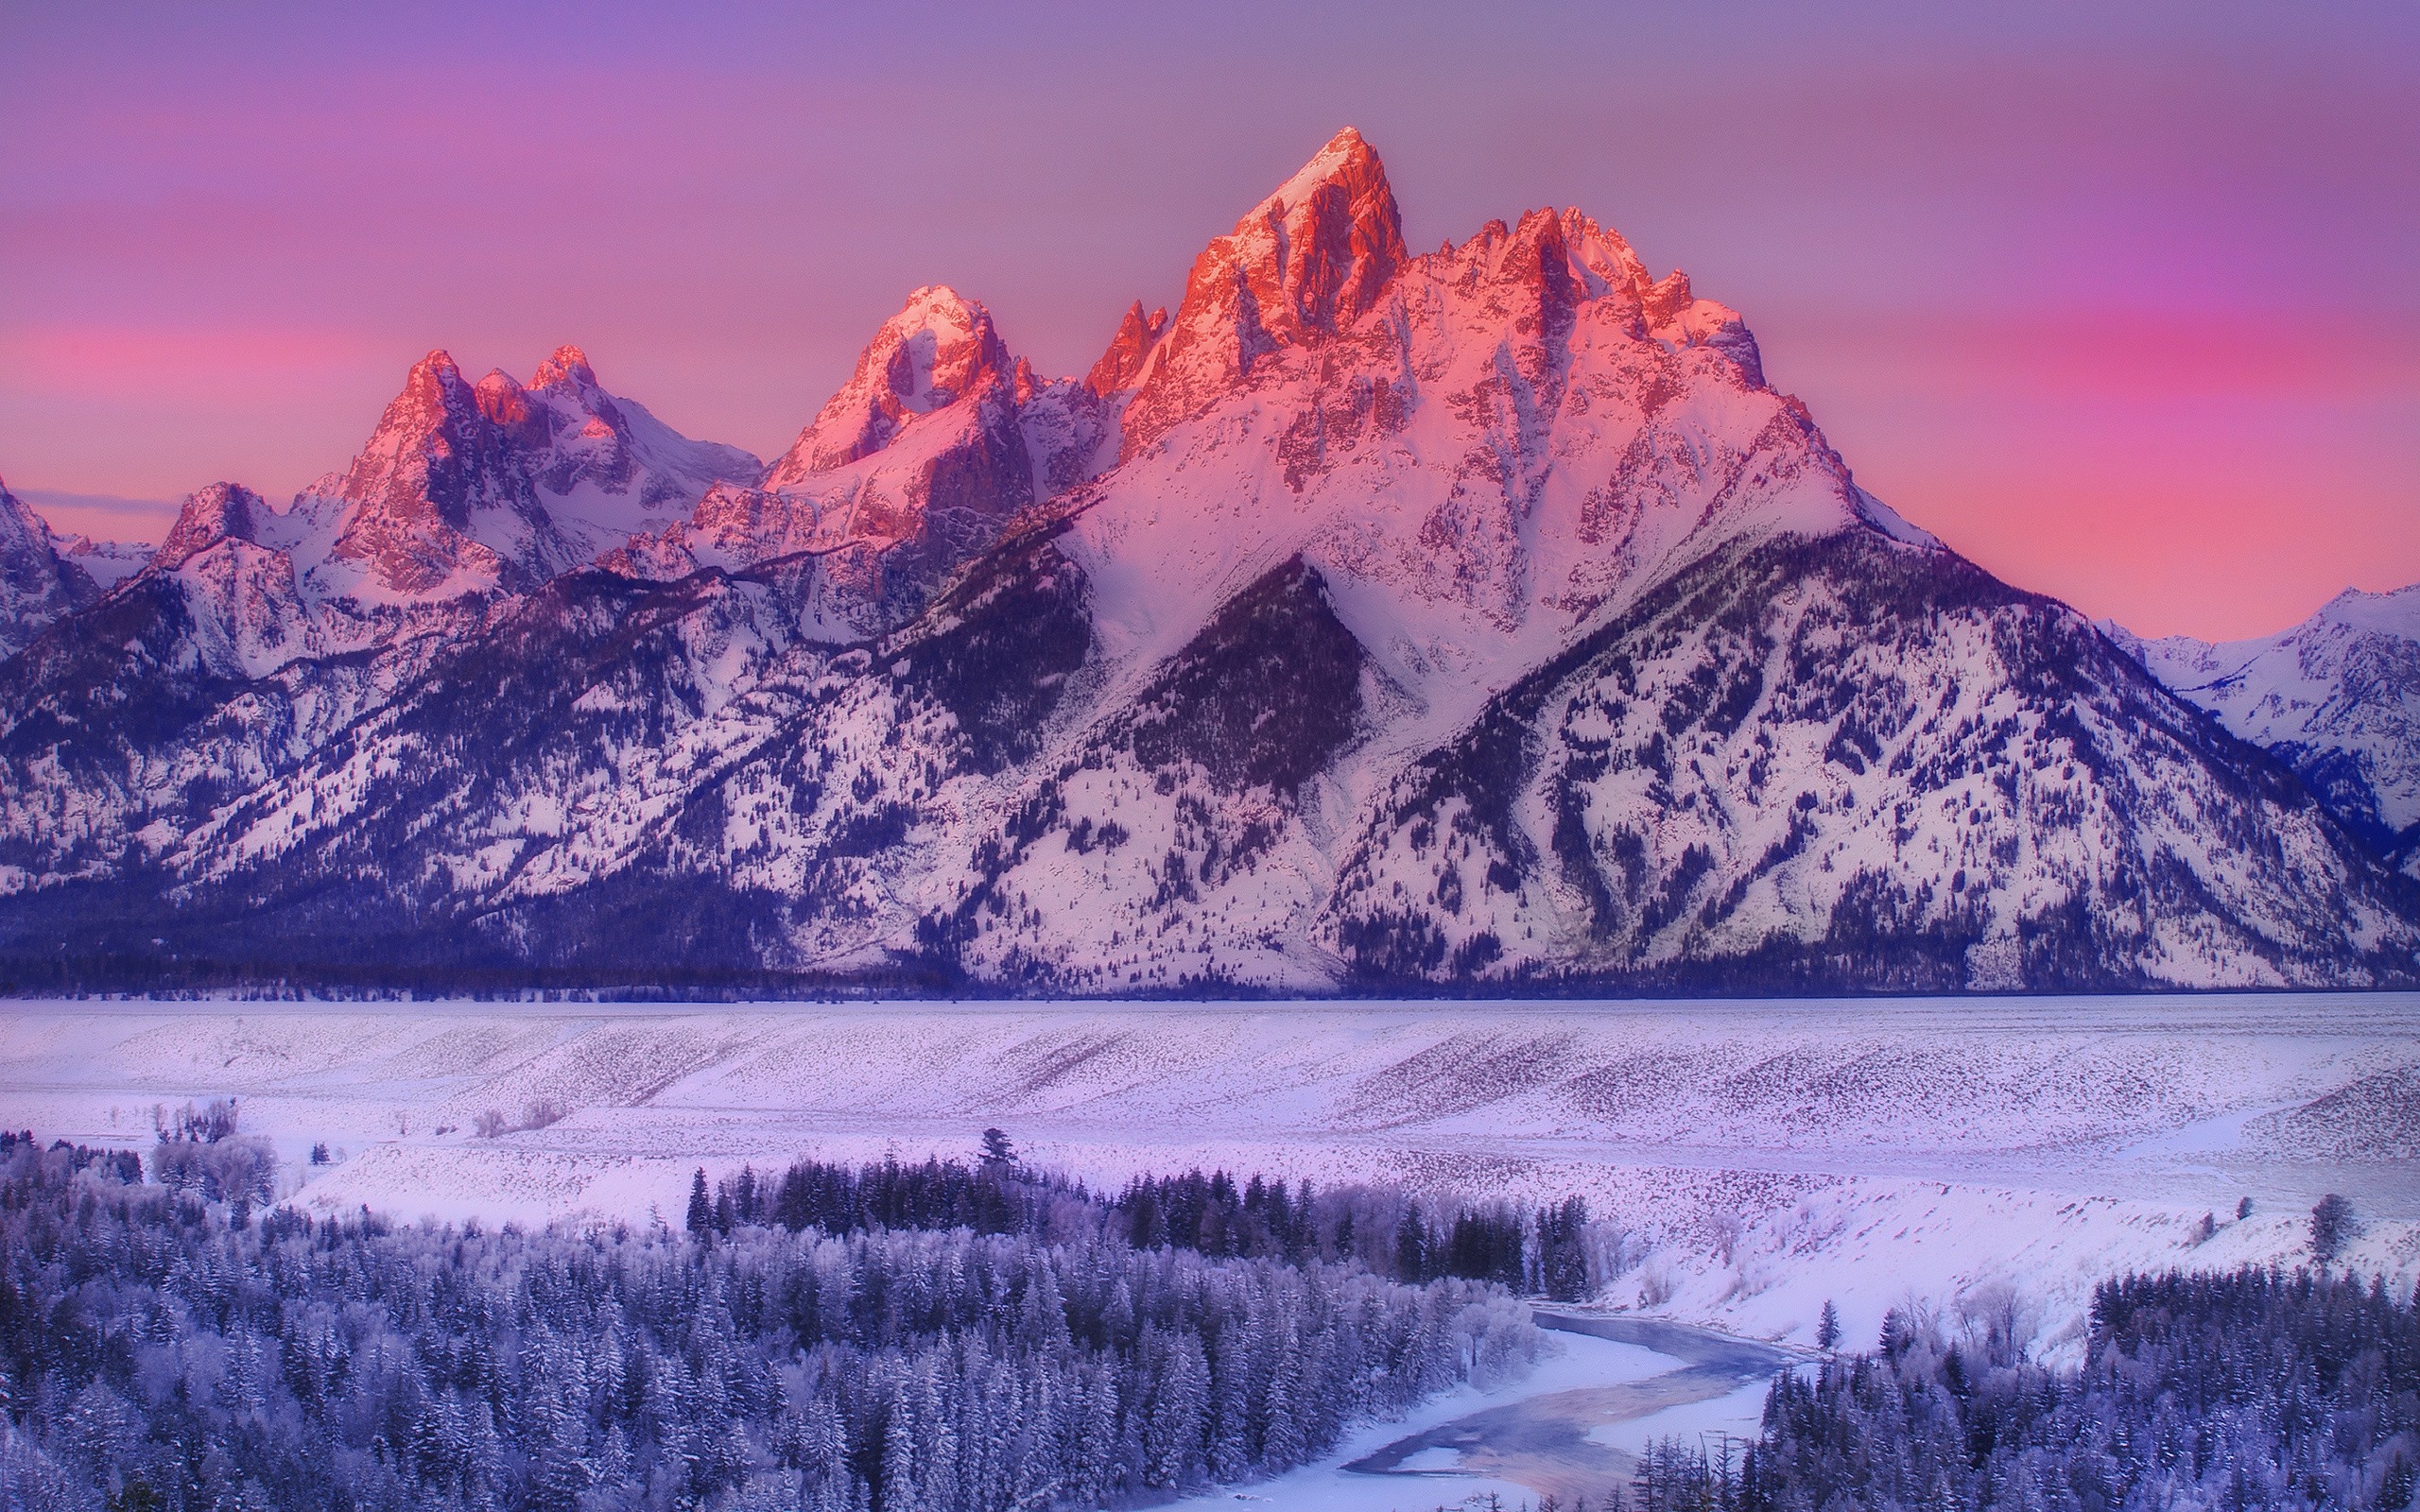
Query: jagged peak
x=1604 y=251
x=1346 y=156
x=1325 y=242
x=1121 y=364
x=1554 y=245
x=433 y=388
x=940 y=350
x=1599 y=257
x=437 y=370
x=220 y=497
x=501 y=398
x=937 y=307
x=940 y=346
x=567 y=368
x=1304 y=264
x=207 y=516
x=1670 y=294
x=433 y=396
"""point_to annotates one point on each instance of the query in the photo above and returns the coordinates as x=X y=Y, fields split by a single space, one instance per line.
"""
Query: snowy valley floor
x=1764 y=1157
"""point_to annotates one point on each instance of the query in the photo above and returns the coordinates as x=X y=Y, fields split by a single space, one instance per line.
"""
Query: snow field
x=1755 y=1159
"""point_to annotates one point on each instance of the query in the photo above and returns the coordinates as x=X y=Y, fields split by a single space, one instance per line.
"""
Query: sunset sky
x=2126 y=307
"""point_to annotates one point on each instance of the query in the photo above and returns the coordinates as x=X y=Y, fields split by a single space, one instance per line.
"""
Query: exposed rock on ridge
x=1480 y=620
x=939 y=438
x=1121 y=365
x=1309 y=259
x=492 y=487
x=223 y=511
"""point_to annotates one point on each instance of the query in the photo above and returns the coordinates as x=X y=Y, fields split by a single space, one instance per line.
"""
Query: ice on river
x=1327 y=1487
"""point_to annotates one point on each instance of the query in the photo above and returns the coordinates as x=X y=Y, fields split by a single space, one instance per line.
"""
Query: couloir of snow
x=1759 y=1157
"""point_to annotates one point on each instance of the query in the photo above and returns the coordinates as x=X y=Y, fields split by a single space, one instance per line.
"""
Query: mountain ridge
x=2336 y=698
x=1479 y=620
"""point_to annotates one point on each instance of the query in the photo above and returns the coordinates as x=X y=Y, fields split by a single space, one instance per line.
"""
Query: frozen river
x=1569 y=1428
x=1577 y=1440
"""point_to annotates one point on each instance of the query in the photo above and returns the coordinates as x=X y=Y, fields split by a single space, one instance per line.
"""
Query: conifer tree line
x=161 y=1351
x=1555 y=1252
x=929 y=1338
x=2256 y=1388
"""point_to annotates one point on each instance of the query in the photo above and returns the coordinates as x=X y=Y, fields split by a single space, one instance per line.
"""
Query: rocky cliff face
x=1307 y=263
x=1476 y=620
x=1123 y=364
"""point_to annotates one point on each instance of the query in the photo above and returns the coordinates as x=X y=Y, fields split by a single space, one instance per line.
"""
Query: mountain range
x=2337 y=699
x=1474 y=620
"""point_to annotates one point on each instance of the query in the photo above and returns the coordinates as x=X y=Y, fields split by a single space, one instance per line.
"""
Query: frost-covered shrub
x=239 y=1168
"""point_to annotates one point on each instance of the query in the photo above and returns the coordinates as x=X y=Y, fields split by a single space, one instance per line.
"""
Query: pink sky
x=2127 y=309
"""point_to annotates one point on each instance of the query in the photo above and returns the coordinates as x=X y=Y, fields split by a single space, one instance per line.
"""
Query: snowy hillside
x=1759 y=1158
x=2337 y=699
x=1473 y=620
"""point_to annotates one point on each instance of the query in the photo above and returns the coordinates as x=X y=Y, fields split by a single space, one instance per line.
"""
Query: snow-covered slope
x=37 y=584
x=1478 y=619
x=2337 y=699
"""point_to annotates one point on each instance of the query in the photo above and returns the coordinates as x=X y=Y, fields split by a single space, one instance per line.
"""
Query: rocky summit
x=1471 y=621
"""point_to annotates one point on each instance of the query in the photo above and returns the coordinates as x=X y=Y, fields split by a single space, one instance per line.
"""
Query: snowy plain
x=1760 y=1157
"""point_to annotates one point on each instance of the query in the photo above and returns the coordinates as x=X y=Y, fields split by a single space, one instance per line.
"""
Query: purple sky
x=2127 y=308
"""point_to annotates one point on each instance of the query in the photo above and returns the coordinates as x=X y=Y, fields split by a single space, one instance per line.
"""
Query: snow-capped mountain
x=189 y=682
x=939 y=438
x=2337 y=699
x=254 y=632
x=107 y=563
x=37 y=584
x=482 y=486
x=1473 y=620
